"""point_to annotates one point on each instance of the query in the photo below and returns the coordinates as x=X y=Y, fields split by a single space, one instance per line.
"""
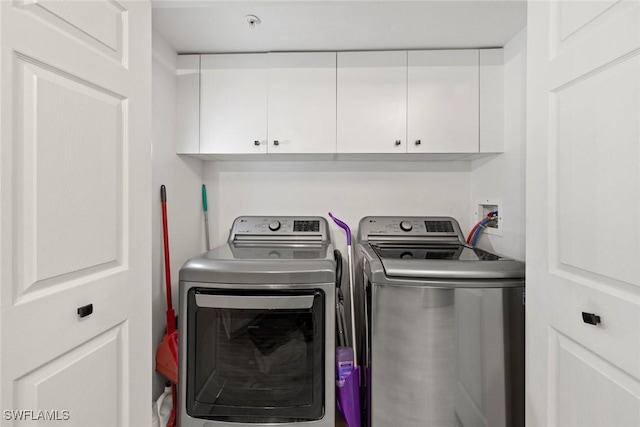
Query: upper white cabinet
x=372 y=102
x=268 y=103
x=233 y=103
x=430 y=102
x=302 y=102
x=443 y=101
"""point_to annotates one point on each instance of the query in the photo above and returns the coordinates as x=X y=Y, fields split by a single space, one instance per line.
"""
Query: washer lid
x=445 y=262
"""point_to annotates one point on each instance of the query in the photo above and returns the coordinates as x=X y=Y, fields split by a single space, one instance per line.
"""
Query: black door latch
x=85 y=310
x=590 y=318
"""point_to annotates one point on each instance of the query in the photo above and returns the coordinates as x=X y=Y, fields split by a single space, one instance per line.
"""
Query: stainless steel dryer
x=257 y=327
x=445 y=326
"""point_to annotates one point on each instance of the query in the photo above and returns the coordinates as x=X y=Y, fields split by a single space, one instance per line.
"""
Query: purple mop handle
x=344 y=226
x=352 y=282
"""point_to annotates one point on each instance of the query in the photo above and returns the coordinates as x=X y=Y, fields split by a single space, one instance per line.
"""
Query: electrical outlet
x=483 y=207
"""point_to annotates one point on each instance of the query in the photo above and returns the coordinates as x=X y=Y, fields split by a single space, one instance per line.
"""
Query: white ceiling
x=220 y=25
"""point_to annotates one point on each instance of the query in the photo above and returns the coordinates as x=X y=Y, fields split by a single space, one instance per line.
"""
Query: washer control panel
x=427 y=228
x=279 y=228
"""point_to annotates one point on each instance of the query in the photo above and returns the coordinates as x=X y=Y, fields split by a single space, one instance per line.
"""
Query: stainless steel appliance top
x=268 y=250
x=428 y=248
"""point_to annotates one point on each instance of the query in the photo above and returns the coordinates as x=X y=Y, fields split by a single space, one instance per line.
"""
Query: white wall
x=351 y=190
x=502 y=177
x=183 y=178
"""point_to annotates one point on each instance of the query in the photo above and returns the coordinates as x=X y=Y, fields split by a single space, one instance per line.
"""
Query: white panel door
x=443 y=101
x=372 y=102
x=233 y=104
x=583 y=210
x=302 y=102
x=75 y=174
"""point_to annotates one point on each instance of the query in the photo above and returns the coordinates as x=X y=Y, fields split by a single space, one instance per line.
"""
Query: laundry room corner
x=502 y=177
x=182 y=176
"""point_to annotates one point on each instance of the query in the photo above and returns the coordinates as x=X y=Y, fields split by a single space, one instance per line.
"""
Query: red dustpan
x=167 y=357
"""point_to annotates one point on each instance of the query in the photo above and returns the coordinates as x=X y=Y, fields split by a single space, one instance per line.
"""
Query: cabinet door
x=302 y=102
x=372 y=102
x=443 y=97
x=491 y=101
x=233 y=104
x=188 y=105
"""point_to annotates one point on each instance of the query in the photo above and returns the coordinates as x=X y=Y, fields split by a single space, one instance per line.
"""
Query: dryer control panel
x=279 y=228
x=424 y=229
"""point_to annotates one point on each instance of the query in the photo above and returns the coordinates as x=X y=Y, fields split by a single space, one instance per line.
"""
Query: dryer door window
x=255 y=357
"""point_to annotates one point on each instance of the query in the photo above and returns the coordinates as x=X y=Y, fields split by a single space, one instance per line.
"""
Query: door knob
x=418 y=142
x=398 y=142
x=256 y=142
x=276 y=142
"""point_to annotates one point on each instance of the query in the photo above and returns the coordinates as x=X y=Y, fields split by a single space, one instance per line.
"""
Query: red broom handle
x=171 y=317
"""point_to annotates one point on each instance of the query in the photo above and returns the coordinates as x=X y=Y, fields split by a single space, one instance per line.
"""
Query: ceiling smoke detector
x=253 y=21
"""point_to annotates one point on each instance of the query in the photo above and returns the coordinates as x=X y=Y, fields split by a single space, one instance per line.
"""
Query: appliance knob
x=406 y=226
x=274 y=225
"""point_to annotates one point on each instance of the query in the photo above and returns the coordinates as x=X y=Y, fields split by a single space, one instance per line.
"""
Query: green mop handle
x=206 y=216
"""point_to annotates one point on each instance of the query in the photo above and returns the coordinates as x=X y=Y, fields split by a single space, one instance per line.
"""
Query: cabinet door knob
x=418 y=142
x=590 y=318
x=398 y=142
x=276 y=142
x=85 y=310
x=256 y=142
